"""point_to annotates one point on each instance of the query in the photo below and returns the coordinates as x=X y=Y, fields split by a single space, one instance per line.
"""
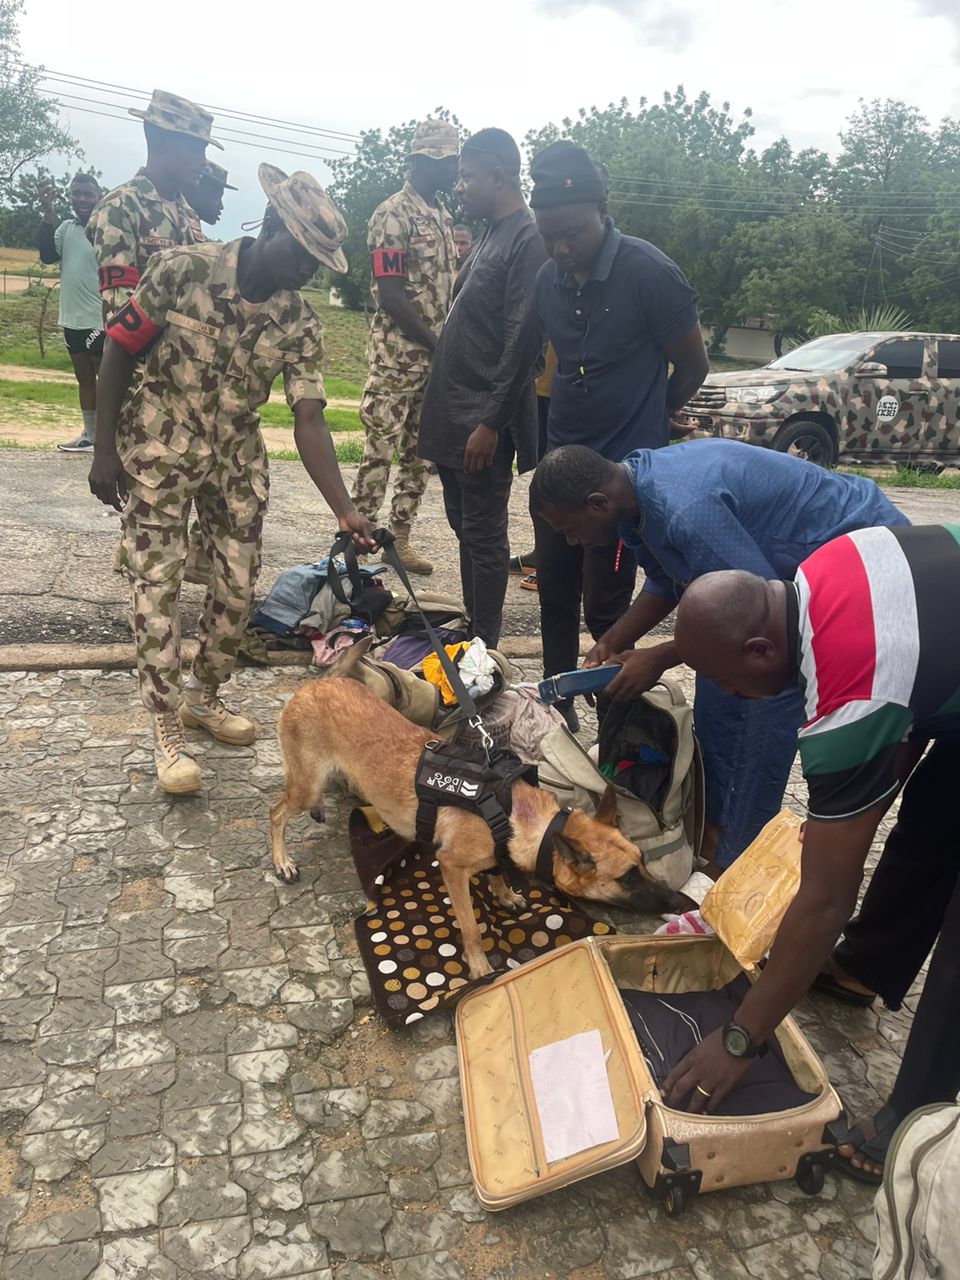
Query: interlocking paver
x=193 y=1042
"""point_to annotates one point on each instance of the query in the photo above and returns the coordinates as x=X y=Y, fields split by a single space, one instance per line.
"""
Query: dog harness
x=467 y=778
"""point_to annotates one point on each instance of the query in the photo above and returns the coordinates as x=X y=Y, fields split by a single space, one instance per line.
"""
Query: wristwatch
x=738 y=1042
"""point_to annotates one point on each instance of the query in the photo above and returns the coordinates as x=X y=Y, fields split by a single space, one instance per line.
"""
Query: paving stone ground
x=193 y=1081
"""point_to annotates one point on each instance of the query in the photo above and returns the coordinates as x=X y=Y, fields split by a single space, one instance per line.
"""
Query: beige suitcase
x=575 y=990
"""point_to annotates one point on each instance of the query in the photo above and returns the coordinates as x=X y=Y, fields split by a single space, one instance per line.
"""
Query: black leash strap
x=543 y=871
x=385 y=538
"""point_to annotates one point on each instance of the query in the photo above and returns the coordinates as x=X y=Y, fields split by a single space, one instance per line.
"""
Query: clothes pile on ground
x=330 y=605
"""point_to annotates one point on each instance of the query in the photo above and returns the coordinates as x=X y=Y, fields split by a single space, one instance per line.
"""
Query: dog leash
x=386 y=540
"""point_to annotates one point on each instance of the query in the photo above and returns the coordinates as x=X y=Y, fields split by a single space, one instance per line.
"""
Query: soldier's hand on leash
x=108 y=482
x=361 y=528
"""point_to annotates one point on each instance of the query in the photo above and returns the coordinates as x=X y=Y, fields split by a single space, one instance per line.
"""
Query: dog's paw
x=318 y=814
x=287 y=871
x=481 y=969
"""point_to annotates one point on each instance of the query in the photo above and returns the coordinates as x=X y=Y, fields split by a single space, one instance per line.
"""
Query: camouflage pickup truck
x=862 y=397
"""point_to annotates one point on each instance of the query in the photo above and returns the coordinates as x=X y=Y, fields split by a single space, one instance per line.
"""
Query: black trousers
x=565 y=575
x=476 y=507
x=912 y=903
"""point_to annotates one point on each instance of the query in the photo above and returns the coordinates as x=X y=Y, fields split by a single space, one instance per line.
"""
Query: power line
x=691 y=202
x=56 y=78
x=266 y=147
x=759 y=192
x=86 y=82
x=229 y=135
x=786 y=202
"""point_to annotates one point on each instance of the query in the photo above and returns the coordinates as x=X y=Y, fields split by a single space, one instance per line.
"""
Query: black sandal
x=873 y=1149
x=827 y=985
x=518 y=564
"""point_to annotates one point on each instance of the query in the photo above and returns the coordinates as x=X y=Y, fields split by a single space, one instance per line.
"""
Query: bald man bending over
x=867 y=632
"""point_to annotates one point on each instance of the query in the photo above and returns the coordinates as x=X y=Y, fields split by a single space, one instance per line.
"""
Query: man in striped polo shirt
x=868 y=631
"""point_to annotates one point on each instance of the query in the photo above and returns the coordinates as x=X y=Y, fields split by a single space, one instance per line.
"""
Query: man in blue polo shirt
x=617 y=311
x=683 y=512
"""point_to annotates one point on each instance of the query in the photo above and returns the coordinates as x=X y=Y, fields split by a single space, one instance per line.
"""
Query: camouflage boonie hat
x=436 y=139
x=216 y=173
x=308 y=213
x=177 y=115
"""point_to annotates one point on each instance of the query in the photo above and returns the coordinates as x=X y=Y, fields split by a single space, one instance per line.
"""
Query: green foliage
x=28 y=120
x=788 y=236
x=360 y=183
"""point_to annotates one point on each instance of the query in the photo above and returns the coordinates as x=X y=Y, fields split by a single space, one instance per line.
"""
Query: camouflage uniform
x=412 y=240
x=190 y=432
x=128 y=226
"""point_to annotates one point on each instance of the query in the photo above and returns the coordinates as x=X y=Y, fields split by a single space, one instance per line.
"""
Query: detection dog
x=336 y=725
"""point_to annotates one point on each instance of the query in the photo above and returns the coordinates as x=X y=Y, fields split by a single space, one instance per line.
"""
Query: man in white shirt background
x=81 y=312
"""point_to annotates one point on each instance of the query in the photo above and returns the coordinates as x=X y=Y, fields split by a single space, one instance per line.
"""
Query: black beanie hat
x=563 y=173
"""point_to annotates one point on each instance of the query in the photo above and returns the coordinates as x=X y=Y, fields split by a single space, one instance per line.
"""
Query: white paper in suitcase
x=555 y=1087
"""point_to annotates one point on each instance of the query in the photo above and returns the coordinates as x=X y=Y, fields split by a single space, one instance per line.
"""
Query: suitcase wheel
x=810 y=1176
x=675 y=1201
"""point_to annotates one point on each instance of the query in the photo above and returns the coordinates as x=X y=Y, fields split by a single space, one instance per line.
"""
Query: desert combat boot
x=202 y=709
x=177 y=771
x=411 y=560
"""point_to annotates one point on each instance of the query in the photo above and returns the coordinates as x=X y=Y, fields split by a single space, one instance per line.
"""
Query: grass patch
x=63 y=395
x=349 y=453
x=344 y=340
x=906 y=478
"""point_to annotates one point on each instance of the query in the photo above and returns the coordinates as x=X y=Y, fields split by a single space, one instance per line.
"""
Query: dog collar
x=543 y=871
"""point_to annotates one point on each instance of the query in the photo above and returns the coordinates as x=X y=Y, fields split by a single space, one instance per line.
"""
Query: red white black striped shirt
x=878 y=636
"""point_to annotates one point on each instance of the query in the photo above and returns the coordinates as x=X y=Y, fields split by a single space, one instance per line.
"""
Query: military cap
x=563 y=173
x=216 y=173
x=308 y=214
x=177 y=115
x=436 y=139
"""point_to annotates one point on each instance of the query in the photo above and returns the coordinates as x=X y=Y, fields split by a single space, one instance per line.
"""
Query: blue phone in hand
x=570 y=683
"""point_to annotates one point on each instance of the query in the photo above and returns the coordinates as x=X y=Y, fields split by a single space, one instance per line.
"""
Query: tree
x=28 y=121
x=360 y=183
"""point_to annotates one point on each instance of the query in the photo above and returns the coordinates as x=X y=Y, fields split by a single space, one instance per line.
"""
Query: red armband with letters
x=117 y=277
x=389 y=262
x=131 y=329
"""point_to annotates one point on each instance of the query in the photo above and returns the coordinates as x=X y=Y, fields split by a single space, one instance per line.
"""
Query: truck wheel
x=807 y=438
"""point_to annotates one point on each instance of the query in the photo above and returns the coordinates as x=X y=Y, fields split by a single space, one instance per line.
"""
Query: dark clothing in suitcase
x=668 y=1026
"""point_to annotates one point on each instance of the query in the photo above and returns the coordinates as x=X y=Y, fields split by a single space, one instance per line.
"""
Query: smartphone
x=570 y=683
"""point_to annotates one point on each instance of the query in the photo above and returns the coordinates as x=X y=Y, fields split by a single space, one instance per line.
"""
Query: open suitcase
x=576 y=989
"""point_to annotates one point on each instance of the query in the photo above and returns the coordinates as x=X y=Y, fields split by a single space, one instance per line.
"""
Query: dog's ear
x=606 y=812
x=346 y=662
x=575 y=858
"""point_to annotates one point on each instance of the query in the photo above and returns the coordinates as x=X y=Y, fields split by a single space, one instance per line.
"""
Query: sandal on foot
x=873 y=1149
x=827 y=985
x=518 y=564
x=529 y=582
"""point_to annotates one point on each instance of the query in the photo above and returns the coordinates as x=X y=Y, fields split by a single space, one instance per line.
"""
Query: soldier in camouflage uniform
x=206 y=198
x=149 y=213
x=414 y=264
x=214 y=325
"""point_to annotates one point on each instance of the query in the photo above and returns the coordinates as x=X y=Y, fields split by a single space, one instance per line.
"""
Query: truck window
x=948 y=361
x=903 y=359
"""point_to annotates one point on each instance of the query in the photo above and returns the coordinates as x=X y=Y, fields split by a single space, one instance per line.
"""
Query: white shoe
x=80 y=445
x=201 y=709
x=177 y=771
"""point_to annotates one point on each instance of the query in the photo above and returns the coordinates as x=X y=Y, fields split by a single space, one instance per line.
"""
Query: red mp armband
x=117 y=277
x=389 y=262
x=131 y=329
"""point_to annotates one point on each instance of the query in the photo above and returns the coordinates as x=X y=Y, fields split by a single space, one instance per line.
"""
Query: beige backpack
x=669 y=831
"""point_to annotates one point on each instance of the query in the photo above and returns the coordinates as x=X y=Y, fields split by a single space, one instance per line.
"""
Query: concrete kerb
x=120 y=657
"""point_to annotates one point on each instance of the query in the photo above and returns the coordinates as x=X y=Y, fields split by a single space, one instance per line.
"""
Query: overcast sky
x=517 y=64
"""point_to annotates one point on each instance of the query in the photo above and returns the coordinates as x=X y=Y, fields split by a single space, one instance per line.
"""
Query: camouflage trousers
x=390 y=413
x=156 y=545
